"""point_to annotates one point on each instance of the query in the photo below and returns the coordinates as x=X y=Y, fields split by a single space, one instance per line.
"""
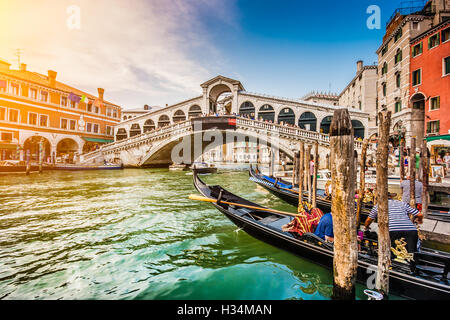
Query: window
x=115 y=113
x=64 y=101
x=384 y=89
x=33 y=93
x=433 y=41
x=13 y=115
x=384 y=50
x=72 y=124
x=63 y=123
x=435 y=103
x=398 y=106
x=446 y=66
x=95 y=128
x=89 y=107
x=97 y=109
x=385 y=68
x=2 y=114
x=417 y=49
x=415 y=25
x=445 y=35
x=15 y=89
x=398 y=35
x=73 y=104
x=3 y=85
x=32 y=118
x=108 y=112
x=416 y=77
x=360 y=105
x=88 y=127
x=43 y=120
x=398 y=56
x=44 y=96
x=433 y=126
x=6 y=136
x=398 y=80
x=109 y=131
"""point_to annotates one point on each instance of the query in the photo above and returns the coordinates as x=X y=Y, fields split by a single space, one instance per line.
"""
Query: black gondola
x=283 y=190
x=427 y=278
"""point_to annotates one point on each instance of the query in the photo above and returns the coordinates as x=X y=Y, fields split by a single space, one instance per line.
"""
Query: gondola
x=427 y=278
x=283 y=190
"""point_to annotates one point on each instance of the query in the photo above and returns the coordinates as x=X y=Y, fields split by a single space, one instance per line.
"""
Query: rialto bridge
x=150 y=139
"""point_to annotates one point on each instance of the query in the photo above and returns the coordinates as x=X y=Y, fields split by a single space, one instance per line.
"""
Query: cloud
x=140 y=51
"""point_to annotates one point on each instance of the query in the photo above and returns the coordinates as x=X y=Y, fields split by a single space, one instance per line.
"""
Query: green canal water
x=133 y=234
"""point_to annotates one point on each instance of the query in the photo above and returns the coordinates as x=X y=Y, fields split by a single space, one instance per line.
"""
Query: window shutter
x=438 y=38
x=437 y=126
x=428 y=127
x=438 y=102
x=429 y=43
x=421 y=47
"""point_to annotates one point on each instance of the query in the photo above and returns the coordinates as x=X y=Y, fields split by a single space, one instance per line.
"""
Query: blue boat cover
x=287 y=186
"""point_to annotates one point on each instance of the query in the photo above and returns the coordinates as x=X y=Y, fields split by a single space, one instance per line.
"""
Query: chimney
x=359 y=66
x=23 y=67
x=146 y=107
x=51 y=77
x=101 y=91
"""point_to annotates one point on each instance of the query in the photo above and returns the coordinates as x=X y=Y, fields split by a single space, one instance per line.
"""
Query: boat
x=427 y=278
x=80 y=167
x=16 y=166
x=285 y=191
x=178 y=167
x=203 y=168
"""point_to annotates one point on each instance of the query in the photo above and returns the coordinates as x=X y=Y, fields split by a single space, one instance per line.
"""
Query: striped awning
x=97 y=140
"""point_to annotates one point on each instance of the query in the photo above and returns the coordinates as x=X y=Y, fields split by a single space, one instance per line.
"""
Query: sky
x=158 y=52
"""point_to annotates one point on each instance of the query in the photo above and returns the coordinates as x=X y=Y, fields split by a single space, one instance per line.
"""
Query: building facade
x=361 y=93
x=321 y=97
x=394 y=60
x=133 y=113
x=430 y=82
x=35 y=107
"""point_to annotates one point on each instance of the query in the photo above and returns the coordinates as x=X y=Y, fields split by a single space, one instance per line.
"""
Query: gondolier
x=400 y=225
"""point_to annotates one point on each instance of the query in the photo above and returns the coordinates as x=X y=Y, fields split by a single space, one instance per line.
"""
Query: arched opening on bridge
x=358 y=129
x=121 y=134
x=216 y=94
x=418 y=116
x=266 y=113
x=135 y=130
x=149 y=125
x=65 y=150
x=308 y=121
x=32 y=144
x=163 y=121
x=286 y=116
x=195 y=111
x=325 y=125
x=179 y=116
x=247 y=110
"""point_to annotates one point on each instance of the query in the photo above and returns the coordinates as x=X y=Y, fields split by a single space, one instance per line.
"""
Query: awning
x=97 y=140
x=443 y=137
x=8 y=146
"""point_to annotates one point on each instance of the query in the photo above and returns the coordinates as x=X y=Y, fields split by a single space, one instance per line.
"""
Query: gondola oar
x=199 y=198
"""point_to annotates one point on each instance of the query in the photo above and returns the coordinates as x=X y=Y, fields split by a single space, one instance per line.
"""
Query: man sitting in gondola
x=324 y=229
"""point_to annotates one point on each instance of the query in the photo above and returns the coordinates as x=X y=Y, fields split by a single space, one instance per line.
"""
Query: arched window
x=286 y=116
x=358 y=129
x=308 y=121
x=179 y=116
x=385 y=68
x=266 y=113
x=194 y=111
x=163 y=121
x=398 y=56
x=135 y=130
x=149 y=125
x=121 y=134
x=325 y=125
x=247 y=110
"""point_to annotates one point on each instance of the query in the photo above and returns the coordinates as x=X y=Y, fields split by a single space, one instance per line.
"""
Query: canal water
x=134 y=234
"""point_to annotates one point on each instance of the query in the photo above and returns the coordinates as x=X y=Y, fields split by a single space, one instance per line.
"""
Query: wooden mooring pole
x=308 y=172
x=294 y=169
x=343 y=175
x=384 y=242
x=28 y=165
x=316 y=167
x=272 y=162
x=412 y=173
x=402 y=159
x=300 y=175
x=362 y=180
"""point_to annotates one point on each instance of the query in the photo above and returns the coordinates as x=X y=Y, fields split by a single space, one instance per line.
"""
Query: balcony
x=382 y=78
x=396 y=93
x=398 y=67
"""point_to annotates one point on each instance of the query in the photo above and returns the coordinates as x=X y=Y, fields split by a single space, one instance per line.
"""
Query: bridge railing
x=291 y=131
